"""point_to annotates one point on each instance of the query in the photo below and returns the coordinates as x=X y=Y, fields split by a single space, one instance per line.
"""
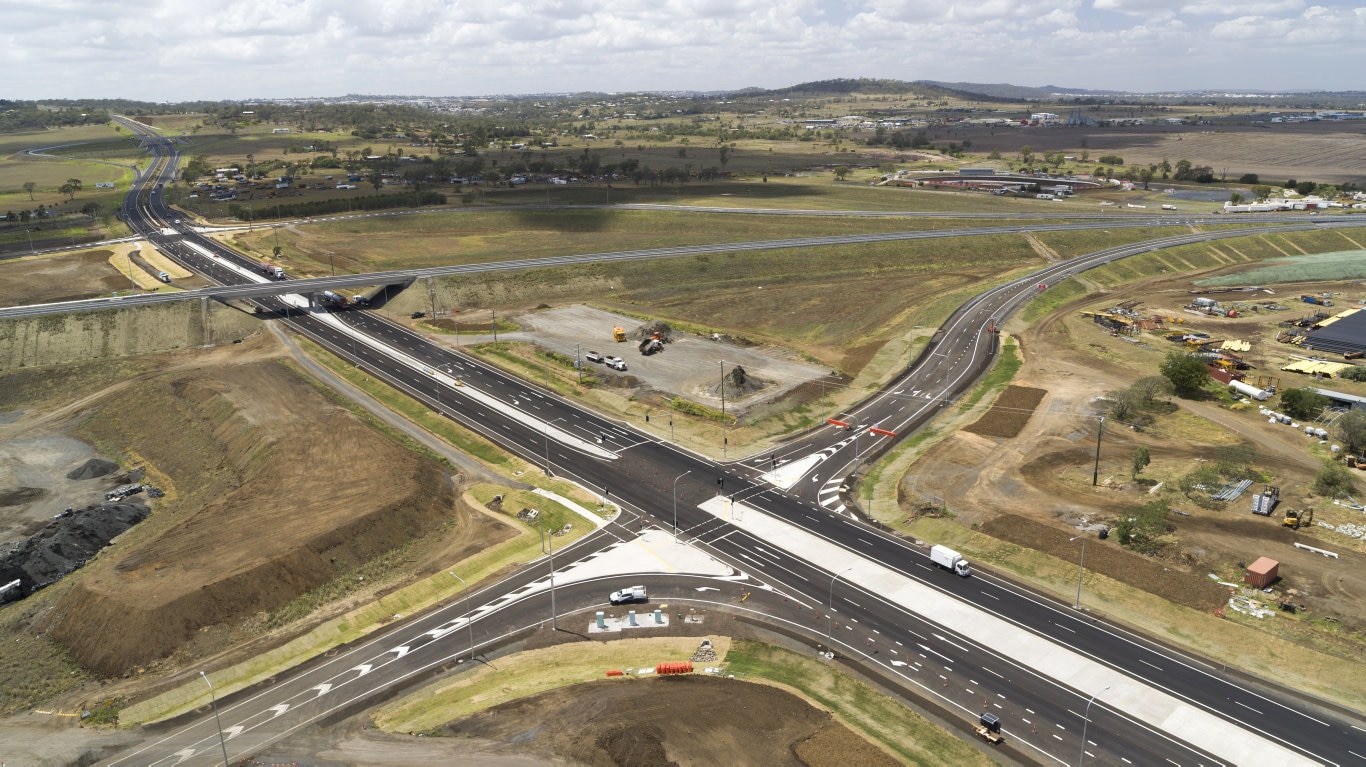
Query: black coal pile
x=63 y=546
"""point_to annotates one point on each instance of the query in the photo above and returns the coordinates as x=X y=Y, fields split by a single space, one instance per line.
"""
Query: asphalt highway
x=651 y=479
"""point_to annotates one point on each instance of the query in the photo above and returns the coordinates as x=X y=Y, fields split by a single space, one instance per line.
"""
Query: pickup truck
x=593 y=356
x=631 y=594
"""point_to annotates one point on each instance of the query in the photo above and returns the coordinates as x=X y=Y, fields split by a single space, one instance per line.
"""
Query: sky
x=180 y=50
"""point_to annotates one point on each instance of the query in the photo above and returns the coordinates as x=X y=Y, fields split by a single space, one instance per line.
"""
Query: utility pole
x=1095 y=473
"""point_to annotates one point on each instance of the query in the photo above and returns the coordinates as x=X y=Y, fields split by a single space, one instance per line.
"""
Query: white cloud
x=184 y=49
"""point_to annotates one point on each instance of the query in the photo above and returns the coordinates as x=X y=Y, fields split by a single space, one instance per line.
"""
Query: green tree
x=841 y=172
x=92 y=209
x=724 y=152
x=1306 y=187
x=1152 y=387
x=29 y=186
x=1355 y=373
x=1334 y=480
x=1187 y=373
x=1027 y=154
x=1261 y=191
x=1351 y=429
x=1111 y=159
x=1125 y=405
x=70 y=188
x=1141 y=460
x=1235 y=198
x=1249 y=178
x=1303 y=404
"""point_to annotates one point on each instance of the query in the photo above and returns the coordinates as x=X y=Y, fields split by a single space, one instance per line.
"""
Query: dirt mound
x=737 y=384
x=265 y=502
x=652 y=329
x=677 y=720
x=93 y=469
x=65 y=545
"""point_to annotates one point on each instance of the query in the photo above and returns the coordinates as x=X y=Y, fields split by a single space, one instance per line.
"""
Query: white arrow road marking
x=363 y=668
x=898 y=663
x=233 y=731
x=280 y=709
x=184 y=754
x=401 y=651
x=707 y=588
x=322 y=689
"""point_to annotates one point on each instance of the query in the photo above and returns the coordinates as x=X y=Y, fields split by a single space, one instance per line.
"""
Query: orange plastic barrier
x=614 y=672
x=683 y=667
x=834 y=422
x=883 y=432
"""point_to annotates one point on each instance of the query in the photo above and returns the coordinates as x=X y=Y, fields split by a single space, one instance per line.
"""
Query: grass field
x=93 y=154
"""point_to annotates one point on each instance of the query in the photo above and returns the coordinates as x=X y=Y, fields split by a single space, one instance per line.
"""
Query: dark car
x=418 y=315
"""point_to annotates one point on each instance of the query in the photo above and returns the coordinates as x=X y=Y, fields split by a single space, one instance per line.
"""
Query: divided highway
x=646 y=475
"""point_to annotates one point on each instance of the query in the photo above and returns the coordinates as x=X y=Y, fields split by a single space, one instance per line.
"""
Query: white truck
x=949 y=559
x=630 y=594
x=616 y=363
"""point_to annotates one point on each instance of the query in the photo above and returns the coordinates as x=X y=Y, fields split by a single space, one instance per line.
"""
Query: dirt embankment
x=685 y=720
x=66 y=338
x=272 y=491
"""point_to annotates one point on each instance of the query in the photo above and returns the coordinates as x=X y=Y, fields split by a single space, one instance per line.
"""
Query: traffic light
x=720 y=481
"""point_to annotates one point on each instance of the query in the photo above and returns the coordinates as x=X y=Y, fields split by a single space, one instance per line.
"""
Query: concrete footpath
x=1159 y=710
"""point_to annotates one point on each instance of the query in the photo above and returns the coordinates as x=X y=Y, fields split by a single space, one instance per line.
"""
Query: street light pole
x=1081 y=568
x=1095 y=473
x=1085 y=720
x=547 y=444
x=723 y=409
x=214 y=700
x=468 y=620
x=830 y=614
x=680 y=476
x=554 y=625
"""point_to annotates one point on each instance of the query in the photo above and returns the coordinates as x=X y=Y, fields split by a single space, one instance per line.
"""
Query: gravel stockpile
x=64 y=545
x=93 y=469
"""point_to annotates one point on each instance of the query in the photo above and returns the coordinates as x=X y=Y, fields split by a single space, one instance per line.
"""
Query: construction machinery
x=618 y=334
x=1295 y=519
x=652 y=345
x=1265 y=502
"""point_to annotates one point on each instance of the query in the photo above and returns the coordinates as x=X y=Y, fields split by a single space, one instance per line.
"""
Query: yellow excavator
x=1295 y=519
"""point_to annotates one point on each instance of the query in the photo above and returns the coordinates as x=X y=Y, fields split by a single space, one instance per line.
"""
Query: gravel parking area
x=690 y=367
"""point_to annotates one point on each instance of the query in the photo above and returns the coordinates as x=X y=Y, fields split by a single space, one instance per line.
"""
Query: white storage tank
x=1248 y=390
